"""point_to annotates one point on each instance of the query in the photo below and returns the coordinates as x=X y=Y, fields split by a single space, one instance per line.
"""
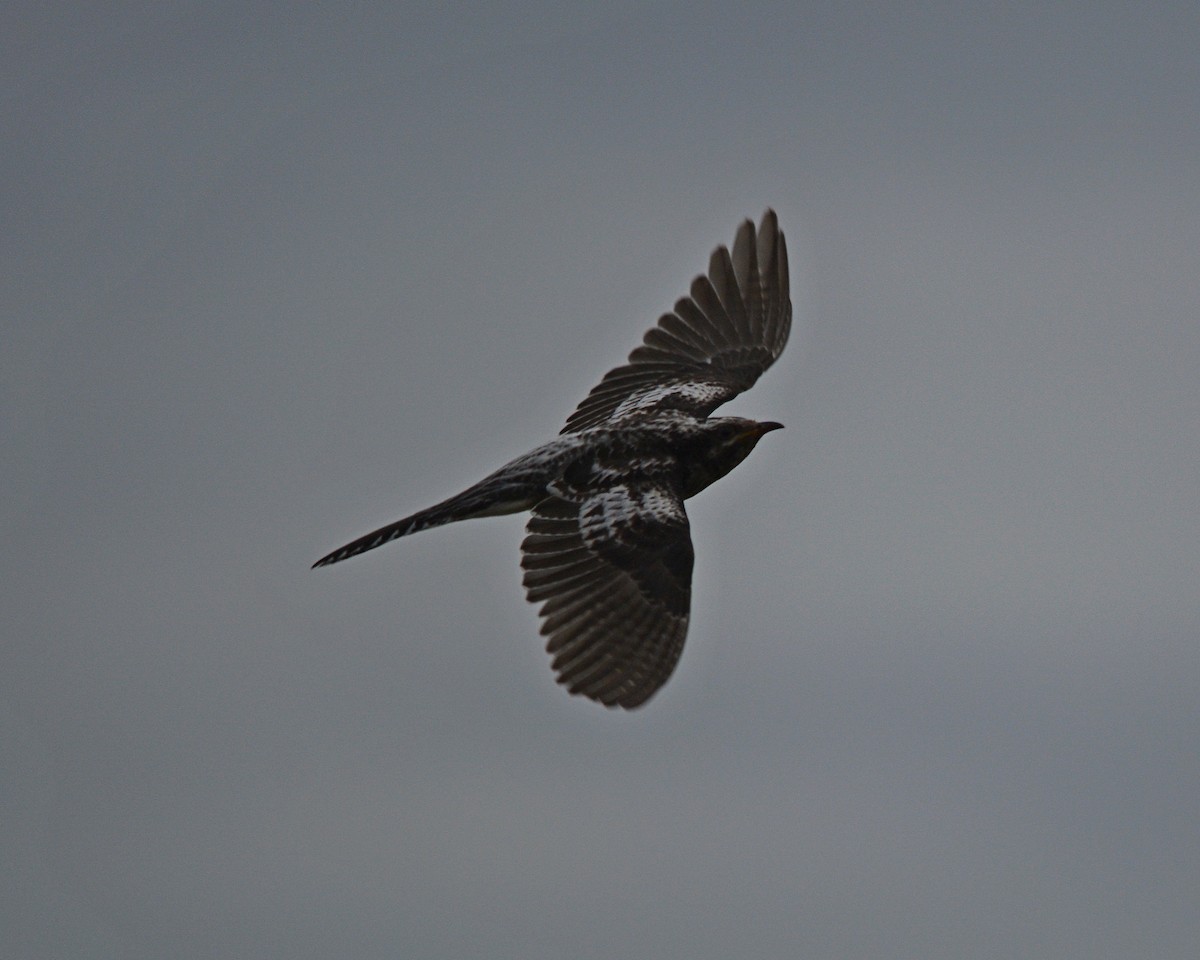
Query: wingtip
x=769 y=224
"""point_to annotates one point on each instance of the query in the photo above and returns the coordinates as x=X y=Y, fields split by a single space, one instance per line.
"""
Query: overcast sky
x=276 y=274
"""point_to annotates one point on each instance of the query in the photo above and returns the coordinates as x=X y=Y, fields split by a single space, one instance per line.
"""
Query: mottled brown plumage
x=608 y=552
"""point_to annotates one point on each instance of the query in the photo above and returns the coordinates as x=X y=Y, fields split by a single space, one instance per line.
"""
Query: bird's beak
x=757 y=430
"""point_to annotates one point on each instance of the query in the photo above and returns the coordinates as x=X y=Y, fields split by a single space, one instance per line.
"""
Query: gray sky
x=274 y=275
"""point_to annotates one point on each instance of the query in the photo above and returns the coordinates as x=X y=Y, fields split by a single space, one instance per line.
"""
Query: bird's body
x=608 y=547
x=673 y=450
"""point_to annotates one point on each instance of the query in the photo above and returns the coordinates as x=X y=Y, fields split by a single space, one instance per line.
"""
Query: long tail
x=492 y=496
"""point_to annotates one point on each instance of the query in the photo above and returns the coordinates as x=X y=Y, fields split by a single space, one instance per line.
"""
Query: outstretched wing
x=715 y=344
x=614 y=569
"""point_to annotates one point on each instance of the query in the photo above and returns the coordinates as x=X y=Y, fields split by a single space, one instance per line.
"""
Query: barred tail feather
x=432 y=517
x=486 y=499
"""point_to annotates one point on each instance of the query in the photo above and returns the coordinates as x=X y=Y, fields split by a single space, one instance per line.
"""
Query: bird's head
x=727 y=442
x=736 y=437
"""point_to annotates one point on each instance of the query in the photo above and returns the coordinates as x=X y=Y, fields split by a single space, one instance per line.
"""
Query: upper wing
x=615 y=572
x=715 y=344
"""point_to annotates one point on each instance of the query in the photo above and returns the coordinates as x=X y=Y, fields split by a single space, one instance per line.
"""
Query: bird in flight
x=608 y=552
